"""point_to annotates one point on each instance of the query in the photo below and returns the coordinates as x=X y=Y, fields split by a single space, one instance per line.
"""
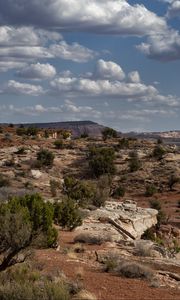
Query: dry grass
x=85 y=295
x=134 y=270
x=91 y=239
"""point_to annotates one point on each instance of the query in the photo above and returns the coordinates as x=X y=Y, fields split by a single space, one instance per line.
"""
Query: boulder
x=121 y=220
x=36 y=174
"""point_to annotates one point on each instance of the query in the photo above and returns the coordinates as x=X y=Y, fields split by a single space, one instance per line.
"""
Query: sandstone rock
x=36 y=174
x=122 y=221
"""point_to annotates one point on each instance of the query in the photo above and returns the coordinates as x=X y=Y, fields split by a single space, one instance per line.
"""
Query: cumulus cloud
x=28 y=44
x=163 y=47
x=8 y=65
x=130 y=90
x=134 y=77
x=74 y=52
x=37 y=71
x=68 y=108
x=107 y=16
x=108 y=70
x=174 y=9
x=107 y=80
x=26 y=36
x=99 y=87
x=25 y=52
x=18 y=88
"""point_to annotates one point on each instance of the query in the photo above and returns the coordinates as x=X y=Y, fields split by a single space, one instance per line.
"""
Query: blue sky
x=115 y=62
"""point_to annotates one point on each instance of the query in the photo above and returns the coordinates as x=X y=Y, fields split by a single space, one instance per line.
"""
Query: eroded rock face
x=121 y=221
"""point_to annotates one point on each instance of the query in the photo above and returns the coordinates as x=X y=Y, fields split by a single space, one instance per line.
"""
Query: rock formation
x=119 y=221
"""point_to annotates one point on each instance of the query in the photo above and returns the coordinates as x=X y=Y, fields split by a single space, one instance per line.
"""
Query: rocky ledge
x=119 y=221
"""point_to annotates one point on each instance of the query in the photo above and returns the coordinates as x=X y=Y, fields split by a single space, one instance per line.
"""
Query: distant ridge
x=76 y=127
x=169 y=137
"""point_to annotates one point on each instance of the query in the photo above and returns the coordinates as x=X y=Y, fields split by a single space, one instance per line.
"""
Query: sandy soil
x=105 y=286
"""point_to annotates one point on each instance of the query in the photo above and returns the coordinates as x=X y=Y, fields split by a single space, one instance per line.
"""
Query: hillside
x=76 y=127
x=129 y=240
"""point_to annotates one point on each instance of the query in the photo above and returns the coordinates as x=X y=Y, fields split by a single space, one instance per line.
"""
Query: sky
x=114 y=62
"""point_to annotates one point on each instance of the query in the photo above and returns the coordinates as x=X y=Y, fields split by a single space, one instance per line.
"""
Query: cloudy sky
x=115 y=62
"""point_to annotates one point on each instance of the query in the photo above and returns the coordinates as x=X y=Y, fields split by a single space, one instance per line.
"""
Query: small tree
x=79 y=190
x=32 y=131
x=59 y=144
x=123 y=143
x=102 y=191
x=109 y=133
x=101 y=161
x=119 y=191
x=161 y=217
x=45 y=157
x=134 y=162
x=54 y=186
x=23 y=220
x=66 y=134
x=67 y=214
x=150 y=190
x=158 y=152
x=173 y=179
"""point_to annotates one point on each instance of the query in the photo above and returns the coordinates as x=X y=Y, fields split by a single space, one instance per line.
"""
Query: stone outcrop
x=119 y=220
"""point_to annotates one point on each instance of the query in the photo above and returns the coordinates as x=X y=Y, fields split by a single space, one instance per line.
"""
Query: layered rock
x=119 y=221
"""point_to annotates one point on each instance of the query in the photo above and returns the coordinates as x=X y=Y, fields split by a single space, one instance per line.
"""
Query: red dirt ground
x=105 y=286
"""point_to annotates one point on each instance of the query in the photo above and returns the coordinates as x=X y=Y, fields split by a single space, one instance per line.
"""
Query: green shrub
x=4 y=181
x=111 y=262
x=79 y=190
x=66 y=214
x=149 y=234
x=23 y=283
x=45 y=157
x=30 y=131
x=161 y=217
x=101 y=161
x=109 y=133
x=84 y=135
x=54 y=186
x=21 y=150
x=158 y=152
x=102 y=191
x=38 y=213
x=134 y=162
x=119 y=191
x=59 y=144
x=150 y=190
x=173 y=179
x=123 y=143
x=155 y=204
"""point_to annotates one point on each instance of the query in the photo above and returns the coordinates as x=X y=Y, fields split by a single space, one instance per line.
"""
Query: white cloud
x=100 y=16
x=28 y=44
x=134 y=77
x=174 y=9
x=131 y=90
x=18 y=88
x=68 y=108
x=107 y=80
x=84 y=86
x=74 y=52
x=8 y=65
x=25 y=52
x=108 y=70
x=25 y=36
x=37 y=71
x=163 y=47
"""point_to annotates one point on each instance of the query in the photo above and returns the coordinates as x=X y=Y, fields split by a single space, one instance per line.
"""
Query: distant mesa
x=77 y=128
